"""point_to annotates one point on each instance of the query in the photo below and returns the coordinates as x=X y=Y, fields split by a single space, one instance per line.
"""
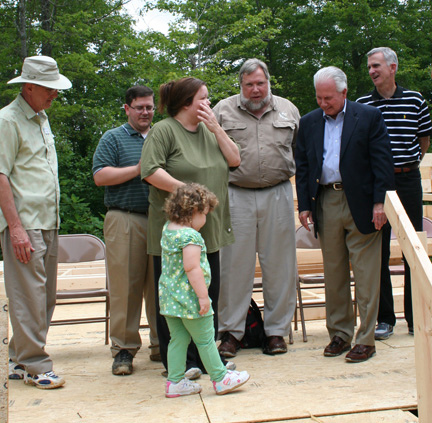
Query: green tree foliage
x=295 y=38
x=97 y=47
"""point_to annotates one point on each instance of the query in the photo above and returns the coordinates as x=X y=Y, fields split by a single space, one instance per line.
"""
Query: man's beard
x=252 y=105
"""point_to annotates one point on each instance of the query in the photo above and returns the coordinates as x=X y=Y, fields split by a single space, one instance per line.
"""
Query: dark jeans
x=193 y=358
x=409 y=190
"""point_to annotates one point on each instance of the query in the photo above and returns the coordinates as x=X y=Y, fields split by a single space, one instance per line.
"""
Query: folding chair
x=80 y=248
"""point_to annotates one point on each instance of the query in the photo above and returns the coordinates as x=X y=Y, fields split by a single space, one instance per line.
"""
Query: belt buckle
x=337 y=186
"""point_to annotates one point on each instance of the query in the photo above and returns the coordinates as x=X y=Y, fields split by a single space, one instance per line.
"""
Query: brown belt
x=127 y=211
x=337 y=186
x=258 y=188
x=406 y=168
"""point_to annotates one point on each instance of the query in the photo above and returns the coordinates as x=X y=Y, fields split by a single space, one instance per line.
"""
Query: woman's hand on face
x=206 y=115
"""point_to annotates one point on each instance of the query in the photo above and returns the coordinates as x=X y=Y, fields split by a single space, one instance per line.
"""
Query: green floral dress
x=177 y=298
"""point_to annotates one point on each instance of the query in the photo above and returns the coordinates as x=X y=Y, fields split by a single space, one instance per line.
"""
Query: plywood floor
x=300 y=386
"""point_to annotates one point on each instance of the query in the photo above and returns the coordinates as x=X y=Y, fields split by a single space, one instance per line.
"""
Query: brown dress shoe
x=228 y=346
x=336 y=347
x=275 y=345
x=360 y=353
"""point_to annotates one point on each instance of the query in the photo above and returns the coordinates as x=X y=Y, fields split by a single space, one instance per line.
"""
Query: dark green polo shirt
x=121 y=147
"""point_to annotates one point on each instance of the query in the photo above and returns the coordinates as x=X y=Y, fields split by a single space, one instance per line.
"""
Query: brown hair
x=177 y=94
x=181 y=204
x=137 y=91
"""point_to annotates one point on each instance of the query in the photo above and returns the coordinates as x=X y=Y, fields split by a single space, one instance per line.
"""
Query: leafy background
x=97 y=46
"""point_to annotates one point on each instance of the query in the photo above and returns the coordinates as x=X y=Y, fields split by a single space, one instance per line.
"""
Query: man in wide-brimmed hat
x=29 y=218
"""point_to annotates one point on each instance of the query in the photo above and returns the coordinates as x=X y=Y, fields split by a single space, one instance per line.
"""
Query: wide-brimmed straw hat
x=42 y=70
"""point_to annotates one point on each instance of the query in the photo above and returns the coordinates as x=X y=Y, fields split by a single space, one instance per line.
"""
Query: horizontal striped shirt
x=407 y=118
x=121 y=147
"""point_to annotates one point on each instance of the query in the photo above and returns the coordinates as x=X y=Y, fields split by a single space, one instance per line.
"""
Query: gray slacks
x=263 y=222
x=31 y=290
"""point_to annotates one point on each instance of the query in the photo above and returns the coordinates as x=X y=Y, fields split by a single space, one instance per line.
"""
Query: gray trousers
x=130 y=271
x=342 y=243
x=31 y=290
x=263 y=222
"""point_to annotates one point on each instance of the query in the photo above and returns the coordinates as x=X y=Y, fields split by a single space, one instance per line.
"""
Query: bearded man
x=262 y=210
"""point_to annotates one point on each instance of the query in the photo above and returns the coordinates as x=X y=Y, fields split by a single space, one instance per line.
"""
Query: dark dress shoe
x=275 y=345
x=360 y=353
x=228 y=346
x=336 y=347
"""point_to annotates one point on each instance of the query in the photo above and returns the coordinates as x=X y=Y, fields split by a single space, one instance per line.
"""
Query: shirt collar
x=28 y=111
x=341 y=113
x=131 y=131
x=397 y=94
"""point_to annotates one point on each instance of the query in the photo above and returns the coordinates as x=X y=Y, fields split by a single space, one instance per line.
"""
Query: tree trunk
x=21 y=28
x=46 y=19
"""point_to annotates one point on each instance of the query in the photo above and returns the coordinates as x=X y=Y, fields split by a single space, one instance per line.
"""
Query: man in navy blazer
x=344 y=168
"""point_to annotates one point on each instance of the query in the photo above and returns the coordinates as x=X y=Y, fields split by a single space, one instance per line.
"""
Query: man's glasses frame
x=140 y=109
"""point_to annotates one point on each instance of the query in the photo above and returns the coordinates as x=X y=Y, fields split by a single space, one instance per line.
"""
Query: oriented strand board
x=92 y=394
x=389 y=416
x=294 y=385
x=303 y=382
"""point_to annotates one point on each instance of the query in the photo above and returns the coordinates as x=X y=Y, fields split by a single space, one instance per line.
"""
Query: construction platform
x=301 y=386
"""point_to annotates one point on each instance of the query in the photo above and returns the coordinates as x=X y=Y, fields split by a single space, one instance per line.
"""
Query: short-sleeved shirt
x=189 y=157
x=267 y=143
x=121 y=147
x=407 y=119
x=177 y=297
x=28 y=158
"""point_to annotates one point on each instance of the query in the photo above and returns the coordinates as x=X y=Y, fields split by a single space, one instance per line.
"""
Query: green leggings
x=201 y=330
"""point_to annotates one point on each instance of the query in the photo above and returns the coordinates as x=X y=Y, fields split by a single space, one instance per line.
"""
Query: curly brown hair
x=181 y=204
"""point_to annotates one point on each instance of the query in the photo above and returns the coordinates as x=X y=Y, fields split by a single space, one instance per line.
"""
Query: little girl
x=183 y=294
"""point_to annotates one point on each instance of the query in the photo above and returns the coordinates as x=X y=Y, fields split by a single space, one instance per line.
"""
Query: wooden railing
x=421 y=272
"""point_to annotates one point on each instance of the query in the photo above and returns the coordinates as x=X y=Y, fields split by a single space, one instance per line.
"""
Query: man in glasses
x=116 y=165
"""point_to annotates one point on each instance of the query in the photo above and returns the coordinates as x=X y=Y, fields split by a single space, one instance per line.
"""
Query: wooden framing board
x=4 y=368
x=421 y=270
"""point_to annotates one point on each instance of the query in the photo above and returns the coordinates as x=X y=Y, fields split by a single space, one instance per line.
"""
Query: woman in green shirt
x=188 y=146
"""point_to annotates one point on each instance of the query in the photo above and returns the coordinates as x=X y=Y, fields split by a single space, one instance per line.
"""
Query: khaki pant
x=31 y=290
x=130 y=271
x=263 y=223
x=341 y=242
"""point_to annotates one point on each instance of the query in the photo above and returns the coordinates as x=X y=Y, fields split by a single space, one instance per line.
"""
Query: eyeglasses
x=140 y=109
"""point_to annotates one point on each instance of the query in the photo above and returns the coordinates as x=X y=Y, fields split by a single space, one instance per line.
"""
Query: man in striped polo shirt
x=408 y=123
x=116 y=165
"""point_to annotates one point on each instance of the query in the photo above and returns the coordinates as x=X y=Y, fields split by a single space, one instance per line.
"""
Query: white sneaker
x=231 y=381
x=230 y=365
x=48 y=380
x=193 y=373
x=184 y=387
x=16 y=371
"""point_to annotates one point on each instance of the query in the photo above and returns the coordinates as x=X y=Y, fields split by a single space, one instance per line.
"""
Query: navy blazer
x=366 y=162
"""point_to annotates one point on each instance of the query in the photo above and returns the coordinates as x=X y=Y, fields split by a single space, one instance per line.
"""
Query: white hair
x=333 y=73
x=390 y=55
